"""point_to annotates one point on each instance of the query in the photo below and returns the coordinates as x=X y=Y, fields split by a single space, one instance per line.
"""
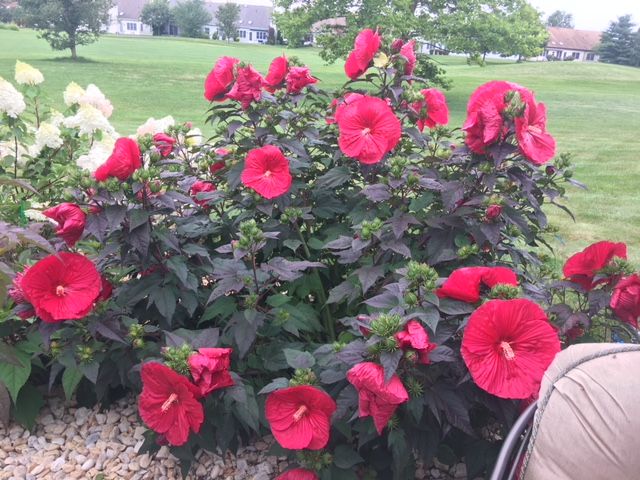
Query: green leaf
x=137 y=217
x=278 y=300
x=292 y=244
x=297 y=359
x=28 y=406
x=15 y=376
x=165 y=301
x=346 y=457
x=70 y=380
x=178 y=266
x=222 y=307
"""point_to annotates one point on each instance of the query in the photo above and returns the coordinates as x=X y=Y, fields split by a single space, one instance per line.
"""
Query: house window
x=576 y=55
x=591 y=57
x=261 y=35
x=206 y=30
x=132 y=26
x=242 y=33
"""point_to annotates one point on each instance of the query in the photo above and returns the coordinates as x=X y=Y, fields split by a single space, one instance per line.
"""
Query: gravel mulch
x=80 y=443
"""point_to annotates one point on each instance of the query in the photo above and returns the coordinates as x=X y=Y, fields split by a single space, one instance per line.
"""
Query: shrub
x=325 y=255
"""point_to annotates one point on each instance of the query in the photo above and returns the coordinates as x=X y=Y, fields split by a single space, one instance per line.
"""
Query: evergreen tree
x=619 y=43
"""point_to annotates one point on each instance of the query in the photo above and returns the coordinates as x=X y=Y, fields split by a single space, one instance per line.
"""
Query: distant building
x=571 y=44
x=124 y=18
x=333 y=26
x=253 y=25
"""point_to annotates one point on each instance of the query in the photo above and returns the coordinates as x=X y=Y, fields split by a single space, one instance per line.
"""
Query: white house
x=124 y=18
x=571 y=44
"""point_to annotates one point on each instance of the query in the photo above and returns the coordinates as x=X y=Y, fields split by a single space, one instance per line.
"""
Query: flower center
x=507 y=351
x=267 y=173
x=173 y=398
x=60 y=291
x=366 y=131
x=300 y=413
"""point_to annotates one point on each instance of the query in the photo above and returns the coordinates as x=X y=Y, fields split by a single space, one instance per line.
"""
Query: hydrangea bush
x=341 y=270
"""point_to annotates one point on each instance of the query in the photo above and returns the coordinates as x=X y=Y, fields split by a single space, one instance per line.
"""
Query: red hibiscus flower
x=217 y=166
x=531 y=131
x=375 y=397
x=124 y=160
x=164 y=143
x=106 y=289
x=408 y=52
x=415 y=337
x=277 y=73
x=23 y=309
x=484 y=124
x=507 y=346
x=433 y=110
x=365 y=47
x=464 y=283
x=625 y=301
x=62 y=287
x=248 y=87
x=368 y=129
x=266 y=170
x=298 y=474
x=210 y=369
x=201 y=187
x=298 y=78
x=219 y=80
x=582 y=267
x=71 y=220
x=300 y=417
x=493 y=212
x=168 y=403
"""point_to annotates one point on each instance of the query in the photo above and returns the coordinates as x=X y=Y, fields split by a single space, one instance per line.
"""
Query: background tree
x=526 y=35
x=65 y=24
x=190 y=16
x=6 y=13
x=619 y=43
x=228 y=15
x=560 y=18
x=156 y=13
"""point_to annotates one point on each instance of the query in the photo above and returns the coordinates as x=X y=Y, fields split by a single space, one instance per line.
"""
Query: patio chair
x=585 y=425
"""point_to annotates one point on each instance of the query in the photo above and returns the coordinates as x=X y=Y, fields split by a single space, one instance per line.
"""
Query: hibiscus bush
x=341 y=270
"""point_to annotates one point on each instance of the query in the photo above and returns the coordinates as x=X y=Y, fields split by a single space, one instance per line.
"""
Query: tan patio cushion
x=587 y=426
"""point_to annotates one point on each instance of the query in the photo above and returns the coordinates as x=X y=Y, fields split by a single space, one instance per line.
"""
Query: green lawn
x=594 y=109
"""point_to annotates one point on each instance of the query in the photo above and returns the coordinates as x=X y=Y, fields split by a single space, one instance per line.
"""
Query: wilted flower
x=247 y=87
x=123 y=161
x=625 y=301
x=210 y=369
x=277 y=73
x=582 y=267
x=11 y=100
x=201 y=187
x=415 y=337
x=27 y=75
x=97 y=155
x=71 y=221
x=432 y=110
x=219 y=80
x=164 y=143
x=298 y=78
x=408 y=51
x=493 y=212
x=464 y=283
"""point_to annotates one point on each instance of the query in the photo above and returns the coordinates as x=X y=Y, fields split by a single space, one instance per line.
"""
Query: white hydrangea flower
x=28 y=75
x=97 y=155
x=73 y=94
x=47 y=135
x=11 y=100
x=88 y=120
x=36 y=215
x=153 y=126
x=94 y=97
x=194 y=137
x=56 y=118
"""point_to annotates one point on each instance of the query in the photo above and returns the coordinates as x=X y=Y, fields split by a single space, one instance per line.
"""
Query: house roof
x=571 y=39
x=251 y=16
x=336 y=23
x=130 y=9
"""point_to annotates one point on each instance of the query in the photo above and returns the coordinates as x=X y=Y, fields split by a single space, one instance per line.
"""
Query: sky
x=591 y=14
x=587 y=14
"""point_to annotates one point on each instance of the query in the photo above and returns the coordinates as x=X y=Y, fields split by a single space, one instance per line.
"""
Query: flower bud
x=493 y=212
x=396 y=45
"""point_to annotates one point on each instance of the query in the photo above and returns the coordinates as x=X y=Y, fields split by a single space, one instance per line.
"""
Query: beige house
x=571 y=44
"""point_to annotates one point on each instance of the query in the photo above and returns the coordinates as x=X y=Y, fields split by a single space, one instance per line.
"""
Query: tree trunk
x=483 y=56
x=74 y=54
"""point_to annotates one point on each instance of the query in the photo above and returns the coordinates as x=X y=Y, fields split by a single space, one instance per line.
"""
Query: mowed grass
x=593 y=109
